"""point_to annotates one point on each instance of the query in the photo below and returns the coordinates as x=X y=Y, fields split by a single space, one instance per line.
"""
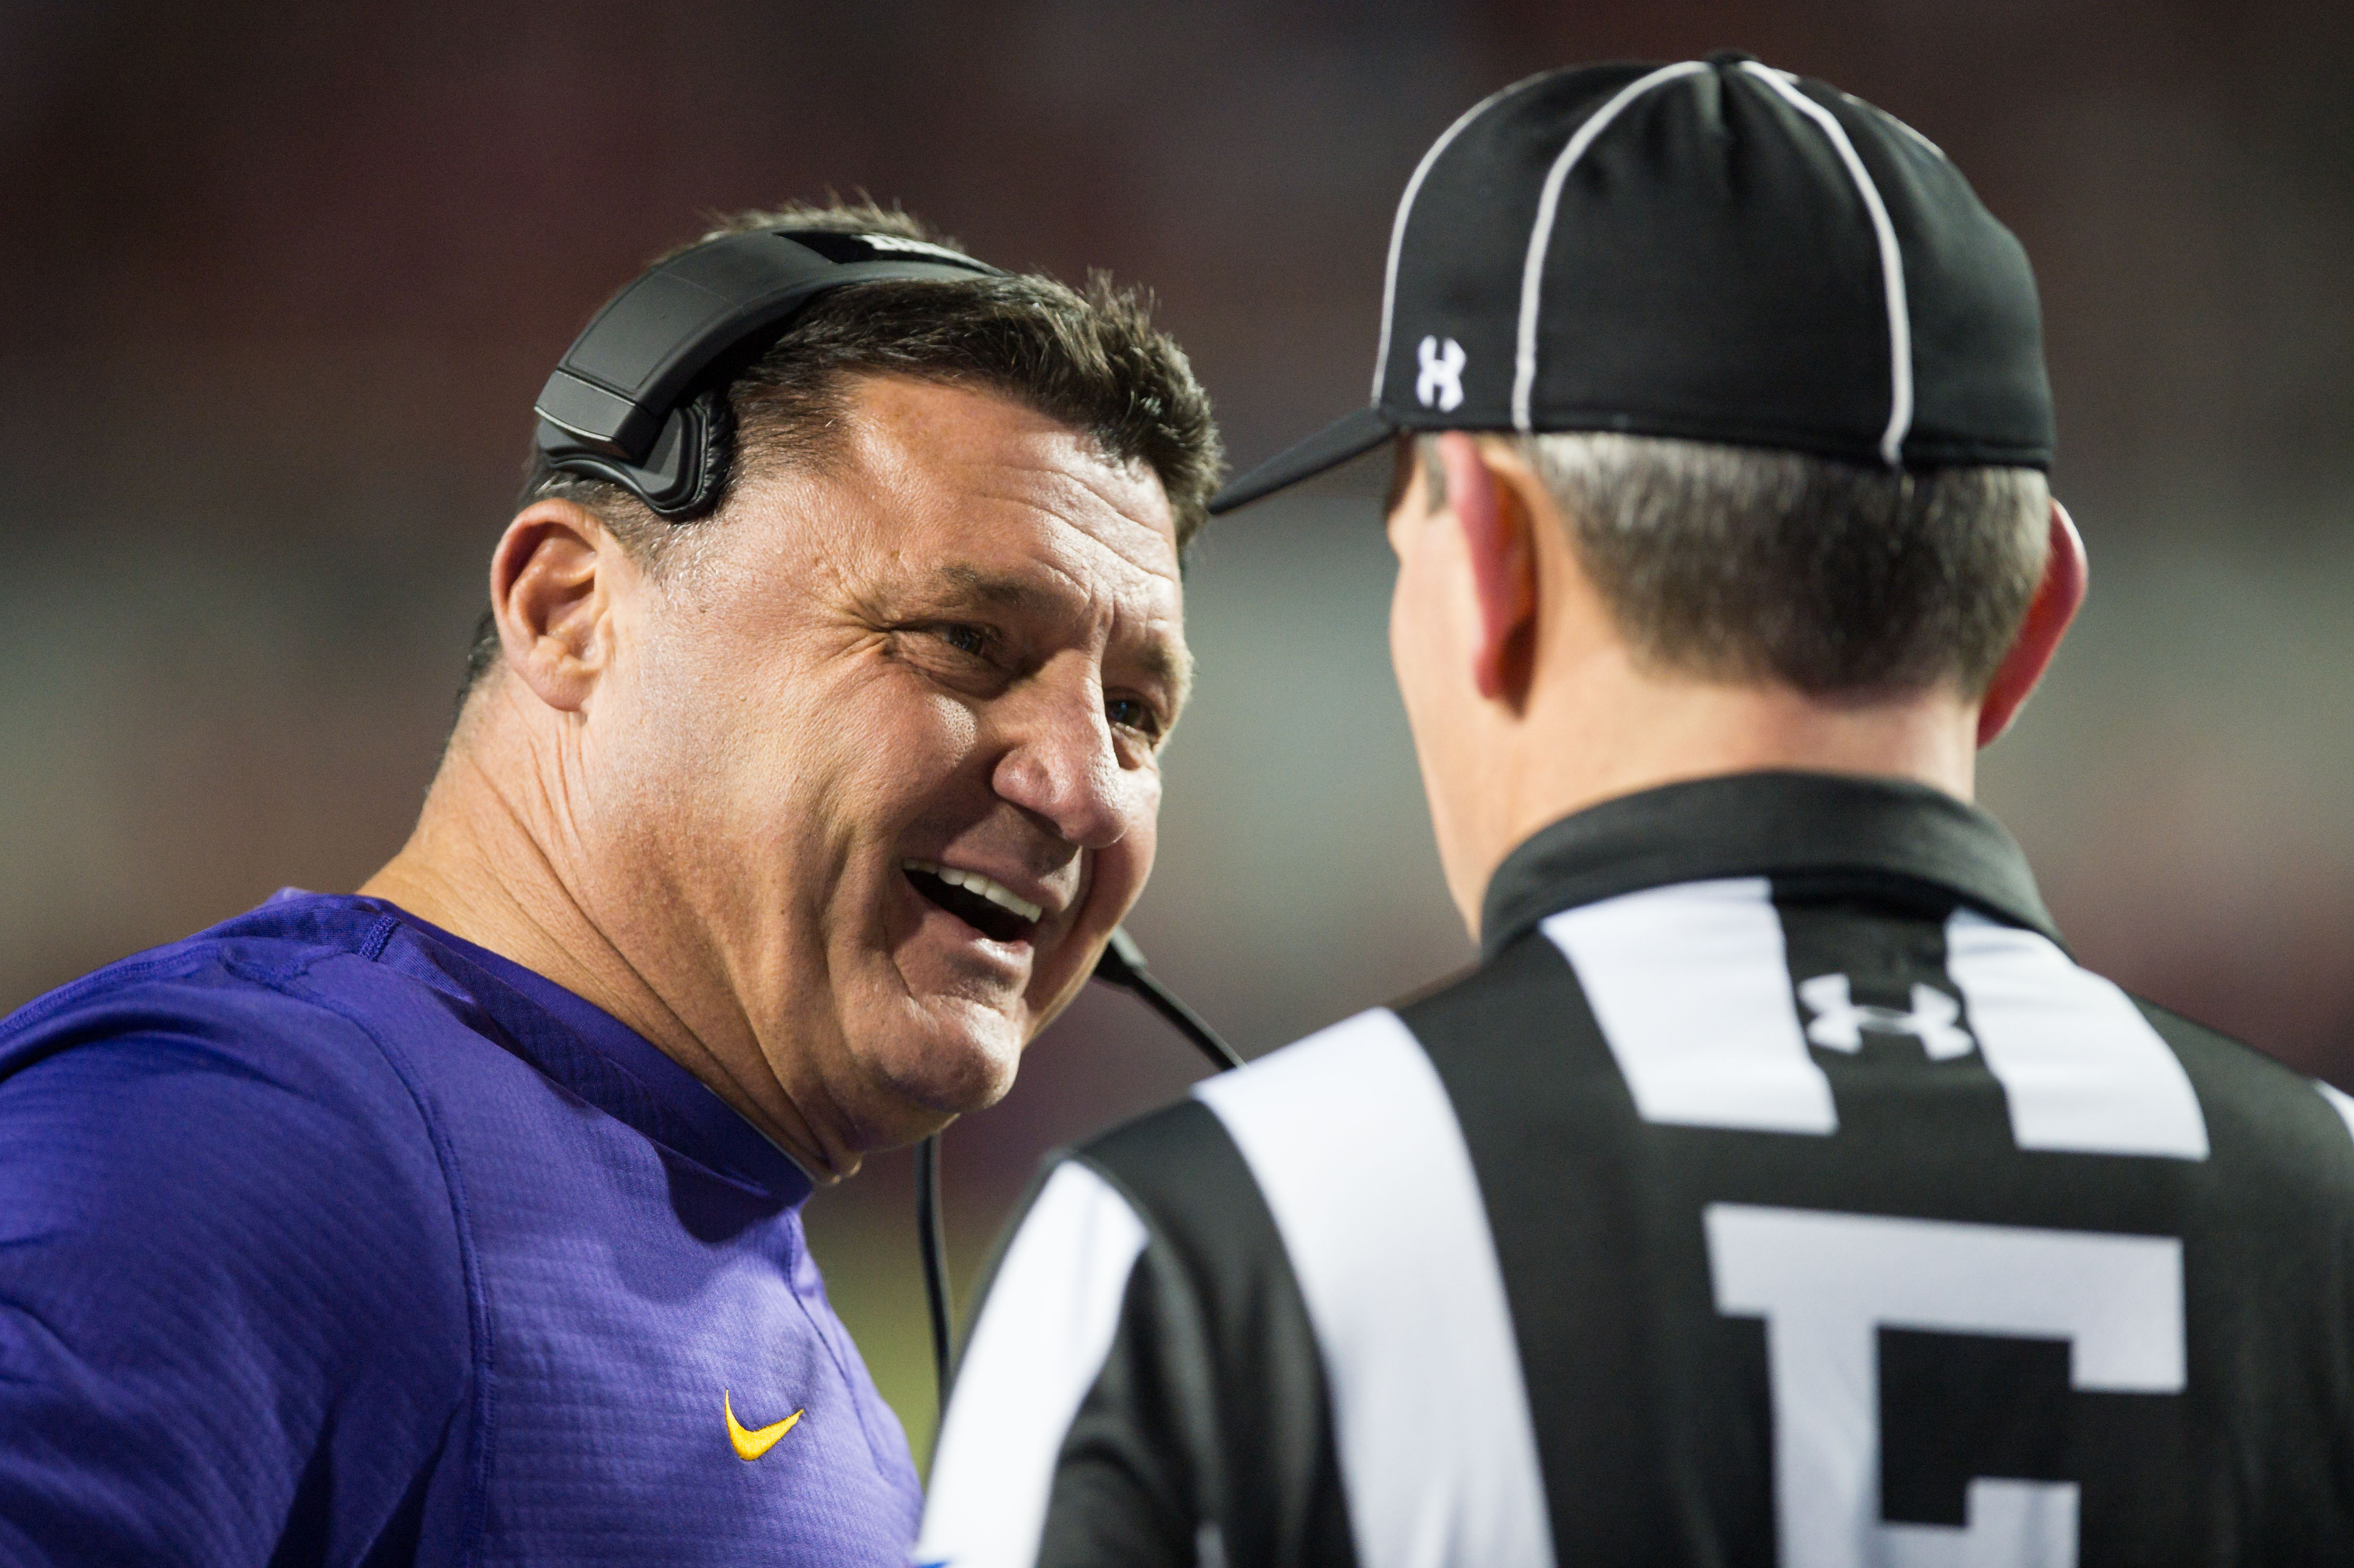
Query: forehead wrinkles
x=1078 y=534
x=909 y=435
x=1048 y=505
x=1074 y=559
x=962 y=496
x=1065 y=477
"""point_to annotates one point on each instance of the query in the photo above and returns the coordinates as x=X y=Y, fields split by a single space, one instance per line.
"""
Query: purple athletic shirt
x=326 y=1237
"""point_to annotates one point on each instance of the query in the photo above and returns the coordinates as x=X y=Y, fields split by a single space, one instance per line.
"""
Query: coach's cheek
x=1111 y=880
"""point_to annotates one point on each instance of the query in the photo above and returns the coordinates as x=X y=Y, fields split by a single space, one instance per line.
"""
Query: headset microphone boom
x=1122 y=965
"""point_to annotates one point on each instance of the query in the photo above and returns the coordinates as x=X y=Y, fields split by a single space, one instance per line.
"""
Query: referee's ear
x=1494 y=518
x=2057 y=599
x=551 y=593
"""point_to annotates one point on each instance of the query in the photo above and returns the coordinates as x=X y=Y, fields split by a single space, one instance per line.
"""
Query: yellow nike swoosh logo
x=750 y=1444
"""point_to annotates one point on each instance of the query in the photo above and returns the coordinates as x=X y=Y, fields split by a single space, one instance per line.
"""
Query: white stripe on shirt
x=1039 y=1346
x=1691 y=985
x=1356 y=1149
x=2082 y=1068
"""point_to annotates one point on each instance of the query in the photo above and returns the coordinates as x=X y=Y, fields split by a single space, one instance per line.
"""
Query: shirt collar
x=1874 y=830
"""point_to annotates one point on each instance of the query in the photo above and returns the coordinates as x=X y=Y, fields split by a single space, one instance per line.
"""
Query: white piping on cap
x=1524 y=363
x=1405 y=205
x=1892 y=260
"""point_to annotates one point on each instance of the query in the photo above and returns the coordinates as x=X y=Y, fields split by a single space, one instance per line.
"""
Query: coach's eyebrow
x=995 y=588
x=1171 y=665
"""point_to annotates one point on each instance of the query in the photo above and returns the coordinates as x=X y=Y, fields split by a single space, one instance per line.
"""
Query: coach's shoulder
x=200 y=1115
x=228 y=1001
x=210 y=1092
x=227 y=1249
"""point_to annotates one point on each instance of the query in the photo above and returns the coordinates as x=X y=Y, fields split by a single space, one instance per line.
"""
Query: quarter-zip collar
x=1888 y=833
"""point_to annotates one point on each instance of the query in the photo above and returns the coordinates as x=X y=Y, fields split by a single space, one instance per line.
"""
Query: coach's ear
x=1494 y=516
x=551 y=592
x=2057 y=599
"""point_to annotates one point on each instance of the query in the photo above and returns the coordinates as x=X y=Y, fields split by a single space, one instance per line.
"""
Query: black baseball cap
x=1711 y=250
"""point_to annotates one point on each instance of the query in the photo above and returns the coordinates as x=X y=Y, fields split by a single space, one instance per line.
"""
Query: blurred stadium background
x=280 y=285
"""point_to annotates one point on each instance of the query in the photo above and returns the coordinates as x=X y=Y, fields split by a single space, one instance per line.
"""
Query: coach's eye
x=1136 y=714
x=972 y=640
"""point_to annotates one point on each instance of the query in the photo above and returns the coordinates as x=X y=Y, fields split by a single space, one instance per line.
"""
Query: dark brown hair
x=1089 y=358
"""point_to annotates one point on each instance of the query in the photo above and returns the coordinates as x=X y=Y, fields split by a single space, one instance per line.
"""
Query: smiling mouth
x=988 y=906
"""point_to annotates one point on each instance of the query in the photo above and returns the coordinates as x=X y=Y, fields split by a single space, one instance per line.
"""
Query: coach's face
x=883 y=766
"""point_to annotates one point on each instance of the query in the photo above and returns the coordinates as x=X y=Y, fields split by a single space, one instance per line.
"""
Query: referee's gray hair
x=1748 y=564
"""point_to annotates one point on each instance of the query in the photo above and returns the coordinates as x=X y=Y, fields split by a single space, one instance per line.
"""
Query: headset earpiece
x=640 y=399
x=681 y=476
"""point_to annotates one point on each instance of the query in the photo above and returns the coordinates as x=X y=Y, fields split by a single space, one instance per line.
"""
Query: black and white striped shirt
x=1775 y=1190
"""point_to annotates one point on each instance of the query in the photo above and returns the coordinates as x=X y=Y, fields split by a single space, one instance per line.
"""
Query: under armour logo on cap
x=1705 y=250
x=1440 y=384
x=1840 y=1020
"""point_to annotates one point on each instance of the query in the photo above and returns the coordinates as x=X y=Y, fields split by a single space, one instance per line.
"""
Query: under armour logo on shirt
x=1440 y=384
x=1839 y=1021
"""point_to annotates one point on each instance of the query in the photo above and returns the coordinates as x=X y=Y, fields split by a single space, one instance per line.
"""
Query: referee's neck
x=1599 y=729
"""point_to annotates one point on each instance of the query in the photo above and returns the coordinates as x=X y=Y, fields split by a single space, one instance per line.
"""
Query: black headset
x=640 y=396
x=640 y=400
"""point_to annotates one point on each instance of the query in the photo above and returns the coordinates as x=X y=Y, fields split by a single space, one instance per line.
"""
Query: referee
x=1775 y=1189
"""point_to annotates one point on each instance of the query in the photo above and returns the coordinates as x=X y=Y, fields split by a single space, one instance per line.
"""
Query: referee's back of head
x=1776 y=1188
x=1779 y=367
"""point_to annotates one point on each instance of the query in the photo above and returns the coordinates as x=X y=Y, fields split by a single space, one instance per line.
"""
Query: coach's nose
x=1063 y=765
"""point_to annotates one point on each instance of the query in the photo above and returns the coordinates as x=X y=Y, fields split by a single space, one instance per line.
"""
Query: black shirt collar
x=1880 y=832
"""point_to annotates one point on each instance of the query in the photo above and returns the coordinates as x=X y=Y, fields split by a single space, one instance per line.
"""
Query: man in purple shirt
x=807 y=762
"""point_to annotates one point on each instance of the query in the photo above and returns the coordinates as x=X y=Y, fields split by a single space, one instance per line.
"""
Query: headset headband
x=630 y=402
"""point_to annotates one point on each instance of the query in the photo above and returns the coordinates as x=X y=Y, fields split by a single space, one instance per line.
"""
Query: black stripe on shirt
x=1559 y=1152
x=1211 y=1406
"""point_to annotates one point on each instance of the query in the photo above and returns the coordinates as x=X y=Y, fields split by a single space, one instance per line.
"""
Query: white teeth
x=997 y=892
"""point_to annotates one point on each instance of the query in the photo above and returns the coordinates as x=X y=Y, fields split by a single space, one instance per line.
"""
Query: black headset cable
x=1122 y=965
x=931 y=1240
